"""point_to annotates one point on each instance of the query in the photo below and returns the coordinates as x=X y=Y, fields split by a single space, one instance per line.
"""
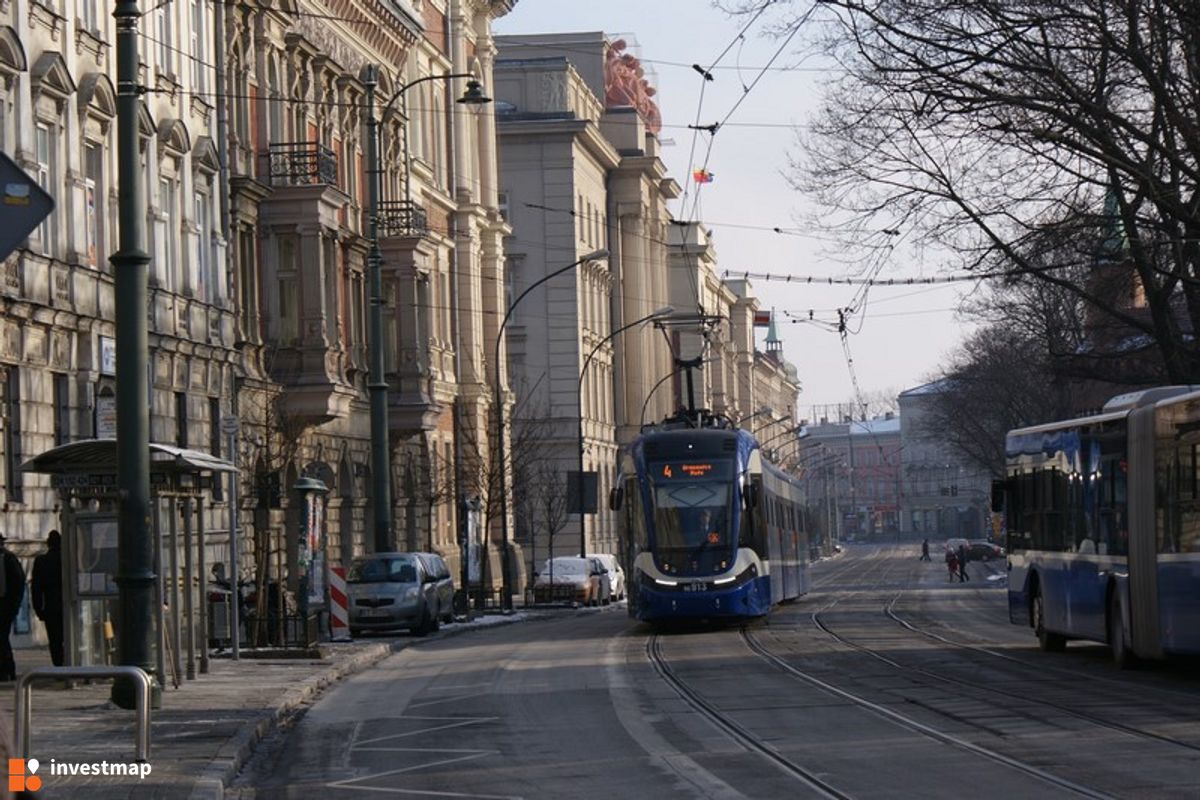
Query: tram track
x=890 y=612
x=905 y=721
x=732 y=729
x=941 y=678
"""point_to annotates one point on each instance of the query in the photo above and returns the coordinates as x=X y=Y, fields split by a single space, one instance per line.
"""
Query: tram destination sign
x=24 y=205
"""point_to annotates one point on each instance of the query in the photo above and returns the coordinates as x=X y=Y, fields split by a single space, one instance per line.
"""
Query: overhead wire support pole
x=135 y=576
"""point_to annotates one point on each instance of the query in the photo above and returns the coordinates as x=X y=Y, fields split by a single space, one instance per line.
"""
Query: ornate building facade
x=258 y=284
x=581 y=175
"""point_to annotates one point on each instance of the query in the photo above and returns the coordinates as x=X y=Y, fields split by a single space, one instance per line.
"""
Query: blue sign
x=24 y=204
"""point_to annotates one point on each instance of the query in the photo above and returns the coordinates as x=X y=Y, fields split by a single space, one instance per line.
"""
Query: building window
x=44 y=142
x=214 y=442
x=288 y=324
x=62 y=410
x=12 y=434
x=166 y=62
x=204 y=280
x=87 y=16
x=168 y=223
x=93 y=181
x=199 y=60
x=181 y=419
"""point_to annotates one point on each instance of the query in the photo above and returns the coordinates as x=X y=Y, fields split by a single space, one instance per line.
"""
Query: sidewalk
x=205 y=730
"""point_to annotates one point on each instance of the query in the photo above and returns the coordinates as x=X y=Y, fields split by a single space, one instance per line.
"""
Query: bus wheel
x=1121 y=654
x=1049 y=642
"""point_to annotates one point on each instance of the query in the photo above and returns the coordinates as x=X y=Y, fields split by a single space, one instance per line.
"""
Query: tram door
x=90 y=564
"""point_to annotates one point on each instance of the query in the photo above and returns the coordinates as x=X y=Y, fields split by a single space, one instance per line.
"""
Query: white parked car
x=581 y=581
x=616 y=575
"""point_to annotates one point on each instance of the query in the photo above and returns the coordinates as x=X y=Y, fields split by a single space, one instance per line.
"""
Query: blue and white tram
x=709 y=529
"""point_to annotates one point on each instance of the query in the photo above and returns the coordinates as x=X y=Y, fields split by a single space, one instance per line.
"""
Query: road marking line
x=460 y=723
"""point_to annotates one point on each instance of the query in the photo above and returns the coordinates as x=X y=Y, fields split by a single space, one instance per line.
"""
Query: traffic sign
x=229 y=425
x=25 y=205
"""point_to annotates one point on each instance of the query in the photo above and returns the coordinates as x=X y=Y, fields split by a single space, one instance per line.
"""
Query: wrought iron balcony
x=302 y=164
x=402 y=218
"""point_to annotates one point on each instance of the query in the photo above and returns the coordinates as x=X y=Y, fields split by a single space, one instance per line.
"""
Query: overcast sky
x=905 y=333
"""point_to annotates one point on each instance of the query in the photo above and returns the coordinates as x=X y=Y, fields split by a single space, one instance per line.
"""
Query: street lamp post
x=505 y=567
x=381 y=479
x=657 y=314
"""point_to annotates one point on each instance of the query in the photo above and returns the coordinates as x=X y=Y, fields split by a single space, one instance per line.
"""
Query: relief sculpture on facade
x=625 y=84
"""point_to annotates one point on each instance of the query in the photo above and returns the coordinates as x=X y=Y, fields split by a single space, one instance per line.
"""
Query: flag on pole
x=702 y=176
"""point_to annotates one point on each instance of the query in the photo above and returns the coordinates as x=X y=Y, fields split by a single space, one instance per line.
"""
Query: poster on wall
x=316 y=550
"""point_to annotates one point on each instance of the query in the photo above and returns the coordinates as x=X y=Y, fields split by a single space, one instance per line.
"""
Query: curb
x=233 y=755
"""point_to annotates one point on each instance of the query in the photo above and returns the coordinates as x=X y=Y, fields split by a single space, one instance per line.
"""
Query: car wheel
x=1121 y=654
x=425 y=626
x=1049 y=642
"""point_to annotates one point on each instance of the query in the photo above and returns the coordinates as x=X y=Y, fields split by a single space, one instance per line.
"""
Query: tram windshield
x=691 y=504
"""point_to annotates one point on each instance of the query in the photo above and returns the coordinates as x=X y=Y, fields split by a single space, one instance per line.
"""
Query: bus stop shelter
x=84 y=474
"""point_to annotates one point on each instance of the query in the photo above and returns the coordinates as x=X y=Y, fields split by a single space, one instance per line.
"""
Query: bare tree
x=974 y=127
x=528 y=447
x=549 y=495
x=274 y=435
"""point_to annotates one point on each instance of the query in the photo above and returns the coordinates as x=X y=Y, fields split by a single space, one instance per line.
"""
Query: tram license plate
x=697 y=586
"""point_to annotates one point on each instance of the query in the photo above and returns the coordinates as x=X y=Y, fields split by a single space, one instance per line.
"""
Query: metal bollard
x=23 y=717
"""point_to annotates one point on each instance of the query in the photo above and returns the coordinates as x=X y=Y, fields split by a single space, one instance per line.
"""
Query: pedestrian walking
x=12 y=591
x=46 y=594
x=951 y=564
x=962 y=564
x=925 y=550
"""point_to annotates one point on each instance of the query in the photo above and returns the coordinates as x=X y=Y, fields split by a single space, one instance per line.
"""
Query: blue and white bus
x=1103 y=519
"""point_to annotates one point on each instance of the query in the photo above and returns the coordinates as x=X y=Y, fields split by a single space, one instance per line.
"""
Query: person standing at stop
x=12 y=592
x=47 y=595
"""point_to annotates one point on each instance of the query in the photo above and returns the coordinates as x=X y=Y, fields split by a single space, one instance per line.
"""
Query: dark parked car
x=984 y=551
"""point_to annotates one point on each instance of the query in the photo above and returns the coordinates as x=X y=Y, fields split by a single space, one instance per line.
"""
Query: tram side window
x=752 y=531
x=635 y=519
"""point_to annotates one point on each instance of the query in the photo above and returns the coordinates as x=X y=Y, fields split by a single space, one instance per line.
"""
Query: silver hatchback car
x=393 y=590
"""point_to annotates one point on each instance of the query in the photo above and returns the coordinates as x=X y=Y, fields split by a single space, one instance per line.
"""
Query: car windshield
x=566 y=566
x=691 y=504
x=383 y=570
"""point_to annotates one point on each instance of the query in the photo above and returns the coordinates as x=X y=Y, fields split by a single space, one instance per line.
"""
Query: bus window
x=1113 y=519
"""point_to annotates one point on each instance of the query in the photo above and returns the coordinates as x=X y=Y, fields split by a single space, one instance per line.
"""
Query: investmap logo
x=22 y=775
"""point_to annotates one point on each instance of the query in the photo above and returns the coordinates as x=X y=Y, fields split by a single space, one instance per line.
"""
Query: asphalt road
x=884 y=681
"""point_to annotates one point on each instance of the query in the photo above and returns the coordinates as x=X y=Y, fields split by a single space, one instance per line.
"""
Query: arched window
x=97 y=110
x=169 y=267
x=12 y=64
x=51 y=85
x=206 y=277
x=274 y=103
